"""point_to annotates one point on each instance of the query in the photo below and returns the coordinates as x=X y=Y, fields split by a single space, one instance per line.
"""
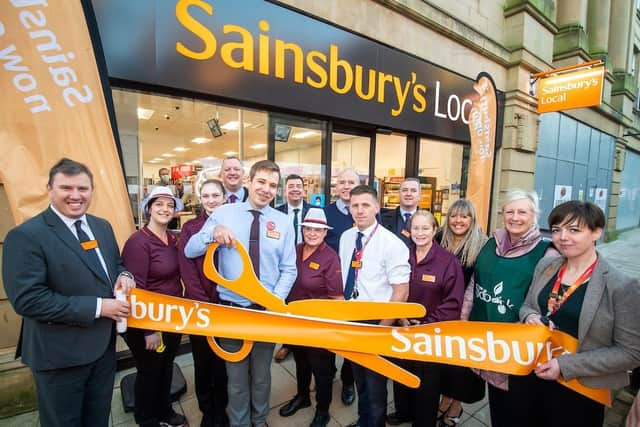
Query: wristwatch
x=127 y=274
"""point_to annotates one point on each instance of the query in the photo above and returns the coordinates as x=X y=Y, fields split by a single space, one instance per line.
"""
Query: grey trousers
x=249 y=384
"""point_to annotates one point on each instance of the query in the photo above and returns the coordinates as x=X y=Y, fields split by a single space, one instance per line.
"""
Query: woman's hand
x=151 y=342
x=536 y=319
x=548 y=371
x=404 y=322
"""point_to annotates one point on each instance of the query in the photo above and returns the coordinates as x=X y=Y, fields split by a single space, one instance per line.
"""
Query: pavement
x=621 y=253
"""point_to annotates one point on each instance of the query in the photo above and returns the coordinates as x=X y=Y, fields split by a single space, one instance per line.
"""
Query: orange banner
x=571 y=90
x=53 y=107
x=504 y=347
x=482 y=126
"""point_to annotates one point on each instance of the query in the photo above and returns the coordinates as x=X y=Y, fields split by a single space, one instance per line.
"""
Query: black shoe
x=397 y=418
x=173 y=419
x=348 y=394
x=294 y=405
x=321 y=419
x=354 y=424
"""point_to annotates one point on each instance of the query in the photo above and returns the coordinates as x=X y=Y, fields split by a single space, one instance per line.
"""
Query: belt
x=250 y=307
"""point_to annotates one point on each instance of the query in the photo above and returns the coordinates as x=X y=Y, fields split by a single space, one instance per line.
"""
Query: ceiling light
x=305 y=134
x=144 y=114
x=168 y=155
x=258 y=146
x=201 y=140
x=196 y=162
x=157 y=159
x=230 y=153
x=152 y=161
x=234 y=125
x=181 y=149
x=210 y=158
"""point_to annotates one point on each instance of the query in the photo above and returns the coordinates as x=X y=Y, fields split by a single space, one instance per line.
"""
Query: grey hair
x=530 y=196
x=351 y=171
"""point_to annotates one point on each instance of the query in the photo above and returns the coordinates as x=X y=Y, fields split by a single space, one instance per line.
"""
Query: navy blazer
x=51 y=283
x=305 y=208
x=394 y=222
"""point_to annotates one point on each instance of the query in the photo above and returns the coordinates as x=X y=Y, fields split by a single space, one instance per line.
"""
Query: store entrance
x=351 y=149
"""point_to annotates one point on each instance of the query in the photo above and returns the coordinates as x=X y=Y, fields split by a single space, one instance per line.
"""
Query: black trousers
x=500 y=407
x=153 y=380
x=78 y=395
x=210 y=373
x=321 y=363
x=421 y=404
x=346 y=373
x=536 y=402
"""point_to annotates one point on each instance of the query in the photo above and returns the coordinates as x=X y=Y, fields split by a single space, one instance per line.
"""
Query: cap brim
x=316 y=225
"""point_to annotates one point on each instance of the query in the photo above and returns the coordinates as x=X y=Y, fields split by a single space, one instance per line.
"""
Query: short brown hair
x=293 y=176
x=585 y=213
x=364 y=189
x=264 y=165
x=69 y=167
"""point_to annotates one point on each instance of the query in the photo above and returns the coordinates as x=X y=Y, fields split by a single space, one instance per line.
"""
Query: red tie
x=254 y=242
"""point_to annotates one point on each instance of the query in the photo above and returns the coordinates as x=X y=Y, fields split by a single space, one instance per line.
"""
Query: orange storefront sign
x=576 y=89
x=503 y=347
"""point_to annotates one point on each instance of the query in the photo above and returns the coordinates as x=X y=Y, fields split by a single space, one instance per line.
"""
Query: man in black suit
x=59 y=269
x=296 y=207
x=396 y=220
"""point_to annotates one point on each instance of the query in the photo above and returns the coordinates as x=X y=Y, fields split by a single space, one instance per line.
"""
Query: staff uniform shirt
x=196 y=285
x=153 y=263
x=319 y=276
x=277 y=254
x=385 y=262
x=437 y=282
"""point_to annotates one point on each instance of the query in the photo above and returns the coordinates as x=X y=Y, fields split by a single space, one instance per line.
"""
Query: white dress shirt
x=291 y=213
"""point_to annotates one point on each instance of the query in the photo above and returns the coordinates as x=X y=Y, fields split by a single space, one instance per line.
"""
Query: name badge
x=89 y=244
x=272 y=234
x=314 y=265
x=356 y=264
x=405 y=233
x=428 y=278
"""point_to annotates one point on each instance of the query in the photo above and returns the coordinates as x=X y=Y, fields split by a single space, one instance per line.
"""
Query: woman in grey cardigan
x=582 y=295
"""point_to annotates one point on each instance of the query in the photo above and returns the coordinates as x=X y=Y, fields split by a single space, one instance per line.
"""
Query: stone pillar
x=623 y=88
x=571 y=41
x=598 y=16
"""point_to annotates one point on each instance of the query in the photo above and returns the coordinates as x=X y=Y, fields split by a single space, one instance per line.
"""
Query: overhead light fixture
x=258 y=146
x=230 y=153
x=168 y=155
x=201 y=140
x=305 y=134
x=158 y=159
x=210 y=158
x=234 y=125
x=214 y=127
x=144 y=114
x=182 y=149
x=152 y=161
x=196 y=162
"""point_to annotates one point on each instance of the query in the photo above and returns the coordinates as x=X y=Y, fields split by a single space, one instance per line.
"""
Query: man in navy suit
x=59 y=269
x=397 y=220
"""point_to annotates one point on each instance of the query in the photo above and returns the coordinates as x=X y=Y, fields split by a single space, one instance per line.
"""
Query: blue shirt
x=277 y=253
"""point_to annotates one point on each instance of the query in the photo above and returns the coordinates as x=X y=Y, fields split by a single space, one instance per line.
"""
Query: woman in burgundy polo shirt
x=151 y=254
x=209 y=370
x=319 y=277
x=437 y=282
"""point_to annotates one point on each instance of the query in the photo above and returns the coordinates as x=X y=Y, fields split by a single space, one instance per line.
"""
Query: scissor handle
x=230 y=356
x=247 y=284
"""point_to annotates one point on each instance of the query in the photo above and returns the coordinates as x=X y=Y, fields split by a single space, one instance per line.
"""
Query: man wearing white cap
x=319 y=277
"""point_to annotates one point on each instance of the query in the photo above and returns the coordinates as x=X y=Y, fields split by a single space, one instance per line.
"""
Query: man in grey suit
x=59 y=270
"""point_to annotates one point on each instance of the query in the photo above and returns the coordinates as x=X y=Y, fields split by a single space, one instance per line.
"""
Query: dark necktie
x=295 y=223
x=233 y=198
x=406 y=220
x=92 y=255
x=351 y=276
x=254 y=242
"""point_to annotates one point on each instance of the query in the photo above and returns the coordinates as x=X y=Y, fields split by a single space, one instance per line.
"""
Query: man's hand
x=125 y=283
x=224 y=236
x=151 y=342
x=548 y=371
x=114 y=309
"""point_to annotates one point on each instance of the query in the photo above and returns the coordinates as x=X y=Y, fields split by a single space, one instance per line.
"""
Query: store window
x=389 y=167
x=187 y=136
x=349 y=151
x=442 y=172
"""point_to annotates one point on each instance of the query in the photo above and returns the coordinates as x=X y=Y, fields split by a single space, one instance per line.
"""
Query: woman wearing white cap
x=151 y=254
x=319 y=277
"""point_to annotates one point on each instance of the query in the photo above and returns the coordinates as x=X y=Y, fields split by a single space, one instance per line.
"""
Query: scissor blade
x=355 y=310
x=382 y=366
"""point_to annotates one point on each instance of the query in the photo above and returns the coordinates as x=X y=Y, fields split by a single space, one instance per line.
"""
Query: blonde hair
x=425 y=213
x=474 y=239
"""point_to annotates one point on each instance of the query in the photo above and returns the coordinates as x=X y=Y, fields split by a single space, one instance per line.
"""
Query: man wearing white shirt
x=397 y=220
x=375 y=267
x=295 y=207
x=232 y=174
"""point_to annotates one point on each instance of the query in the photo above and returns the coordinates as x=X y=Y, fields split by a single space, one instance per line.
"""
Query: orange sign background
x=571 y=90
x=53 y=107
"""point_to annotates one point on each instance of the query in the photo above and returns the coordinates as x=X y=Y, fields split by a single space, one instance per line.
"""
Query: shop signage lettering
x=577 y=89
x=258 y=52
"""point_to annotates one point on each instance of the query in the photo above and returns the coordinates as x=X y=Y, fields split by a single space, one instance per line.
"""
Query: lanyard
x=358 y=253
x=556 y=300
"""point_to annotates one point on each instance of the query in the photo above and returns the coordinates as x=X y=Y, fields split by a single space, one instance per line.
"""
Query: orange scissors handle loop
x=230 y=356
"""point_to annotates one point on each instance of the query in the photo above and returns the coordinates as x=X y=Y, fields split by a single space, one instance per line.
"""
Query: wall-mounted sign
x=577 y=89
x=258 y=52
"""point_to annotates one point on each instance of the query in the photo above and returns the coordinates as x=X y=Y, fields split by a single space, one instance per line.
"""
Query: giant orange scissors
x=248 y=286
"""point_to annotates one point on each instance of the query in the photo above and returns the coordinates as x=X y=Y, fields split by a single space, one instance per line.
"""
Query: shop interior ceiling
x=176 y=122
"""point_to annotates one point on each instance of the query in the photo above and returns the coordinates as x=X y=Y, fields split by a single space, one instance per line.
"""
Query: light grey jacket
x=608 y=329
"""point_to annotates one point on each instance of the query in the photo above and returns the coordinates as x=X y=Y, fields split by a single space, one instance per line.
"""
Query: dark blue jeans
x=372 y=397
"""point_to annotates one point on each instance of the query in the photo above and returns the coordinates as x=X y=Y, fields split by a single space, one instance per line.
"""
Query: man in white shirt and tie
x=232 y=175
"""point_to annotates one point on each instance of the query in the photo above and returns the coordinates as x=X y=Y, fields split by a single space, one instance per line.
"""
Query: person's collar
x=367 y=231
x=342 y=206
x=290 y=207
x=69 y=222
x=249 y=207
x=403 y=211
x=239 y=193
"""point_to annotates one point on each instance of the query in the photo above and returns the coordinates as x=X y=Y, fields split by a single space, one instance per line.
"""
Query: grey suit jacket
x=609 y=324
x=53 y=285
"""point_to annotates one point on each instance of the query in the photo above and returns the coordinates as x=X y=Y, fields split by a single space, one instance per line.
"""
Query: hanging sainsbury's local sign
x=563 y=89
x=262 y=53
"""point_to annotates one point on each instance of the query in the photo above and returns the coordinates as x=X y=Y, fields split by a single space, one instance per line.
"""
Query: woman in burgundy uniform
x=437 y=282
x=151 y=254
x=210 y=371
x=319 y=277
